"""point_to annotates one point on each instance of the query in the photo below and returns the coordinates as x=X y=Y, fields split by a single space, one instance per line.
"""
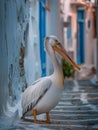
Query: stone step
x=62 y=103
x=78 y=96
x=75 y=122
x=75 y=112
x=82 y=91
x=71 y=98
x=73 y=108
x=72 y=125
x=68 y=127
x=74 y=94
x=86 y=106
x=73 y=116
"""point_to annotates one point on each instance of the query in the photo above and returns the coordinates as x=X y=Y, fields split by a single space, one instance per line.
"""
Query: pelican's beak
x=59 y=48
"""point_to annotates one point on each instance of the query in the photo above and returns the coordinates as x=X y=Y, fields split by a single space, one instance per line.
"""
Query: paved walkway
x=77 y=110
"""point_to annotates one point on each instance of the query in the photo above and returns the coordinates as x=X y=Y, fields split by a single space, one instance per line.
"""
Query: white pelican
x=45 y=93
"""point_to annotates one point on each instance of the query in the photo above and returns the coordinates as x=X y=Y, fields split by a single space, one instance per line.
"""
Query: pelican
x=44 y=94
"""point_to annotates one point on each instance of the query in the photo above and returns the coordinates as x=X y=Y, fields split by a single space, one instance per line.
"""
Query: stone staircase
x=77 y=109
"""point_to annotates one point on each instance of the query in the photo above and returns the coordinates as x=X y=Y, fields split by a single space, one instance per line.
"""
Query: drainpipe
x=96 y=5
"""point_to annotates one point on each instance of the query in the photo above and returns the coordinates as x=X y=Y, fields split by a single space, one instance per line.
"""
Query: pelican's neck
x=56 y=65
x=58 y=73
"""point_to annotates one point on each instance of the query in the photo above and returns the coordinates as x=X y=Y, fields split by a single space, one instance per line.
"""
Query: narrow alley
x=32 y=35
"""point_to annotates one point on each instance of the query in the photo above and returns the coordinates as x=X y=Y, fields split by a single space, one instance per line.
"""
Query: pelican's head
x=54 y=43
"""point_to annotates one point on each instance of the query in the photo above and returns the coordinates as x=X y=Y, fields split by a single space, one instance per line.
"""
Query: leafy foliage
x=68 y=69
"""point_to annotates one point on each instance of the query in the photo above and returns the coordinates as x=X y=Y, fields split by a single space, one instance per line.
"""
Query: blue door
x=80 y=38
x=42 y=29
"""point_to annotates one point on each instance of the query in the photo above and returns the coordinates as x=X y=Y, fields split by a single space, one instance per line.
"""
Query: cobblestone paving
x=77 y=110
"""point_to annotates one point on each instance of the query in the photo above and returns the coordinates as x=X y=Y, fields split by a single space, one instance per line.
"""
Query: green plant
x=68 y=69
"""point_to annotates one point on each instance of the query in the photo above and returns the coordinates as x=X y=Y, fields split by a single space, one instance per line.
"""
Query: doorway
x=80 y=37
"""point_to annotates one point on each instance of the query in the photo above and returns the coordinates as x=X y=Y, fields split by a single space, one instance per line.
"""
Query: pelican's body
x=50 y=96
x=45 y=93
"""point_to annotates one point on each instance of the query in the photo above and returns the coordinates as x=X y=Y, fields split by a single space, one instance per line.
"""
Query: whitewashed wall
x=3 y=59
x=54 y=26
x=14 y=16
x=89 y=38
x=17 y=16
x=70 y=13
x=32 y=56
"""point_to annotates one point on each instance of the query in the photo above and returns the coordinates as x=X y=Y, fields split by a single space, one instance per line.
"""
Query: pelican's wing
x=34 y=93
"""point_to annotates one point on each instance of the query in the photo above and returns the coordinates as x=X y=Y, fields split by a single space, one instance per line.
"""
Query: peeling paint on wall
x=21 y=60
x=19 y=12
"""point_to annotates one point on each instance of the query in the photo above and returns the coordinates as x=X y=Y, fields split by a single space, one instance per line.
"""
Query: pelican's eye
x=56 y=43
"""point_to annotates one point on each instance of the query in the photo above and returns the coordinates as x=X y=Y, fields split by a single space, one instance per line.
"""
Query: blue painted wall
x=42 y=28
